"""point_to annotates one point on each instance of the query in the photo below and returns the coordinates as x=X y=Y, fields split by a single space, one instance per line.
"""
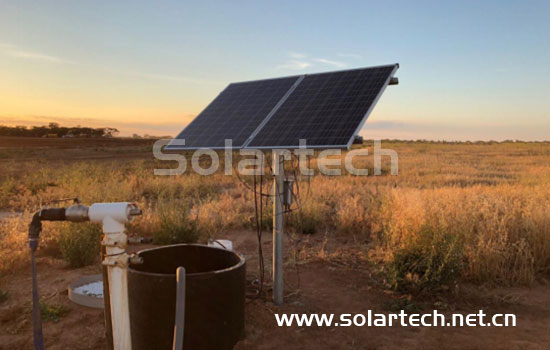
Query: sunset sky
x=468 y=70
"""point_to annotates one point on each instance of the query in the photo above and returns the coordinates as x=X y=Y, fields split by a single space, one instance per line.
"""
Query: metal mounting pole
x=278 y=192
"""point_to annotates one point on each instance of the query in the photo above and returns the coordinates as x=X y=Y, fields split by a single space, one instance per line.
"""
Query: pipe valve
x=77 y=213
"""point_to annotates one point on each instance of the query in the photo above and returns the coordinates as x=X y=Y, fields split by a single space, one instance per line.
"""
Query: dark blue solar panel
x=325 y=109
x=234 y=114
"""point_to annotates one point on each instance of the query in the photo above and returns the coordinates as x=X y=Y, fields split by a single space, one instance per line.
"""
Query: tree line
x=55 y=130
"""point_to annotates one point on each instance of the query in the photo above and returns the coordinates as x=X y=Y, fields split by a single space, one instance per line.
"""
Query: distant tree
x=110 y=132
x=56 y=129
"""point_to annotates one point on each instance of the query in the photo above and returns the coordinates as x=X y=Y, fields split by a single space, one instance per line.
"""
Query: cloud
x=295 y=65
x=349 y=55
x=13 y=51
x=442 y=130
x=37 y=56
x=391 y=124
x=178 y=78
x=300 y=61
x=330 y=62
x=296 y=55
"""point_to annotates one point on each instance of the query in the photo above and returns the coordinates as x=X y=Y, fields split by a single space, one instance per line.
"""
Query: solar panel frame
x=273 y=113
x=348 y=144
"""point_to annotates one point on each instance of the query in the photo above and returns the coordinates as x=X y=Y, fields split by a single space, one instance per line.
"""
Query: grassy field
x=462 y=227
x=456 y=212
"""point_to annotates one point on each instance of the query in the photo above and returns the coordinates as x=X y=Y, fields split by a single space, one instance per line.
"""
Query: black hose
x=53 y=214
x=35 y=228
x=34 y=234
x=36 y=320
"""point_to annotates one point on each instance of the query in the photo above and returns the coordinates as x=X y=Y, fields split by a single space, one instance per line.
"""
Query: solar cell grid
x=234 y=114
x=325 y=109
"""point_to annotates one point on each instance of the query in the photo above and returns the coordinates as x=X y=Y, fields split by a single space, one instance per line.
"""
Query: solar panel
x=327 y=110
x=234 y=114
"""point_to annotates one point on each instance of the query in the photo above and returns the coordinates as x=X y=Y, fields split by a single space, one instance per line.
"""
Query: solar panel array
x=325 y=109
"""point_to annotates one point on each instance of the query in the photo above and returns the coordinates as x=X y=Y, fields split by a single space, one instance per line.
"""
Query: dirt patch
x=328 y=289
x=80 y=328
x=317 y=286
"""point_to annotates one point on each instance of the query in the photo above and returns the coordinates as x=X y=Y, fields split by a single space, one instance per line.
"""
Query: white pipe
x=113 y=216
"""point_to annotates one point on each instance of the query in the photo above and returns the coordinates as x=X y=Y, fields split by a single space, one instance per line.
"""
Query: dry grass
x=479 y=210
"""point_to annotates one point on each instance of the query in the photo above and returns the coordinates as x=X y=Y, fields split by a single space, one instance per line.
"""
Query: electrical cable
x=258 y=214
x=259 y=234
x=247 y=185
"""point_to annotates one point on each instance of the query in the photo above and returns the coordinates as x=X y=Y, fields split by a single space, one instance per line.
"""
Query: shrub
x=310 y=217
x=307 y=223
x=356 y=213
x=51 y=312
x=430 y=262
x=224 y=213
x=175 y=226
x=80 y=243
x=7 y=190
x=266 y=221
x=14 y=246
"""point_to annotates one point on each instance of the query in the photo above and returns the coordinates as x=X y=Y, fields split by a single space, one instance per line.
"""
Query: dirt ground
x=318 y=285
